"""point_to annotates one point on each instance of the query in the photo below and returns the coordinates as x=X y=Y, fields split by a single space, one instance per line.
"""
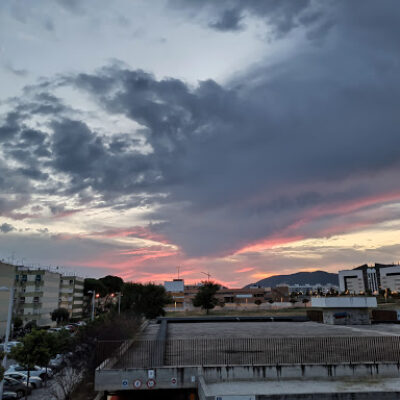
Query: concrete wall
x=353 y=316
x=188 y=377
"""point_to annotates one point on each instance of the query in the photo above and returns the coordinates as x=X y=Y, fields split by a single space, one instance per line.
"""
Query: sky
x=240 y=138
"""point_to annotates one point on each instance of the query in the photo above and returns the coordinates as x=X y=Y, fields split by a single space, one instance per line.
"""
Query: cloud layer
x=303 y=146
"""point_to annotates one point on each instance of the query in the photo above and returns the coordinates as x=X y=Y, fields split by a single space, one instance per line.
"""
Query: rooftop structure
x=345 y=310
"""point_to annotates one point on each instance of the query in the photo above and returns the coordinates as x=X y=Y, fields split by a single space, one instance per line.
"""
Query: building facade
x=370 y=279
x=7 y=277
x=351 y=281
x=37 y=295
x=390 y=278
x=71 y=295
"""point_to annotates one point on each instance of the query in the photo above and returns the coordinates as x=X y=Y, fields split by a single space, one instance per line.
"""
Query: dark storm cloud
x=246 y=160
x=6 y=228
x=282 y=16
x=228 y=21
x=10 y=126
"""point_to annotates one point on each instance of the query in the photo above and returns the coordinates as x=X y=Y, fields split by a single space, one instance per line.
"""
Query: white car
x=36 y=371
x=9 y=346
x=34 y=381
x=57 y=362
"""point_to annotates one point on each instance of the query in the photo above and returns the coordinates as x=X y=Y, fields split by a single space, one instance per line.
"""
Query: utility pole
x=93 y=292
x=178 y=268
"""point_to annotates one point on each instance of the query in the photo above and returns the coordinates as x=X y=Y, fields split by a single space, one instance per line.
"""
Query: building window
x=38 y=278
x=22 y=300
x=24 y=278
x=71 y=282
x=36 y=299
x=16 y=278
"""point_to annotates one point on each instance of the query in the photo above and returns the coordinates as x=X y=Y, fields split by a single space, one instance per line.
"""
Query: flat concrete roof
x=275 y=329
x=295 y=387
x=344 y=302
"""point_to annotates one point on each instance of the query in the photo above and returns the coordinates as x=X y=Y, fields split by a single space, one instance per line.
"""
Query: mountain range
x=300 y=278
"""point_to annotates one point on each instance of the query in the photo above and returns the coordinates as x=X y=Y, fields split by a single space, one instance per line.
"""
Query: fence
x=250 y=351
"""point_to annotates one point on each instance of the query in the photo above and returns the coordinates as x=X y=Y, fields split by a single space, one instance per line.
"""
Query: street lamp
x=119 y=294
x=119 y=302
x=93 y=292
x=8 y=329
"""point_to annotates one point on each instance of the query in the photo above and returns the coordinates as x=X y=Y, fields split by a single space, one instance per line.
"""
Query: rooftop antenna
x=208 y=275
x=178 y=268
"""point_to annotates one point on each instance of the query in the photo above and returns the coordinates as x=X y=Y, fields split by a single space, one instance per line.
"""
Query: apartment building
x=370 y=278
x=71 y=295
x=390 y=278
x=352 y=281
x=37 y=295
x=7 y=276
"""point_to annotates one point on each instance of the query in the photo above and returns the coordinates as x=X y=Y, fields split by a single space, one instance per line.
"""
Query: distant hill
x=300 y=278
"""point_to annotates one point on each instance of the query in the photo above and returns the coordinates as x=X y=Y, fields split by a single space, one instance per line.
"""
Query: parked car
x=9 y=395
x=9 y=346
x=58 y=362
x=34 y=381
x=12 y=385
x=36 y=371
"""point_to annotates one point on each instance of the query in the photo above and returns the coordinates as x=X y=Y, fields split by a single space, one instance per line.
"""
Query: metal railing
x=251 y=351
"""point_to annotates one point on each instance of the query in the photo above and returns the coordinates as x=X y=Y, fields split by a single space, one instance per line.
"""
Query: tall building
x=390 y=278
x=365 y=278
x=37 y=295
x=71 y=295
x=351 y=281
x=7 y=276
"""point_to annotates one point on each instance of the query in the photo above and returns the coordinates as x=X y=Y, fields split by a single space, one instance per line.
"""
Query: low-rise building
x=176 y=289
x=71 y=295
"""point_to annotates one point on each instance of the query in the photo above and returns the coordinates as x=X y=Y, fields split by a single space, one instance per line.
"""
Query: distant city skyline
x=247 y=139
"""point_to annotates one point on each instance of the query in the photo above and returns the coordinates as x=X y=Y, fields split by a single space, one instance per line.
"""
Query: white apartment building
x=390 y=278
x=37 y=295
x=71 y=295
x=7 y=276
x=351 y=281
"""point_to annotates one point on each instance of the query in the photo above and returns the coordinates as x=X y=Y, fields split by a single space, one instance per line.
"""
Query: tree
x=96 y=285
x=148 y=300
x=205 y=297
x=65 y=384
x=60 y=315
x=17 y=323
x=258 y=303
x=293 y=301
x=112 y=283
x=305 y=301
x=33 y=350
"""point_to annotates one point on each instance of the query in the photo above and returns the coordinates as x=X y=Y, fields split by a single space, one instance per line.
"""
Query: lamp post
x=93 y=302
x=119 y=302
x=8 y=329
